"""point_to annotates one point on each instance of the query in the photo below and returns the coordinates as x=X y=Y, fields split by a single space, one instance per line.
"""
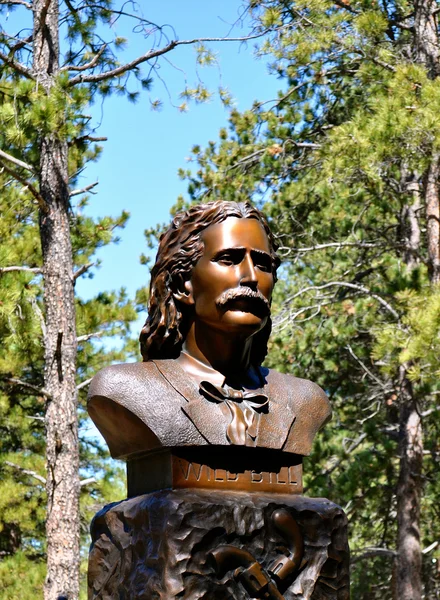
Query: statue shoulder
x=133 y=405
x=120 y=381
x=303 y=389
x=309 y=404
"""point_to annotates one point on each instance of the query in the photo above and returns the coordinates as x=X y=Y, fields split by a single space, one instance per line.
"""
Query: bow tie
x=244 y=420
x=220 y=394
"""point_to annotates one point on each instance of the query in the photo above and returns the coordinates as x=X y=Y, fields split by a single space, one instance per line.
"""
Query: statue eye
x=263 y=262
x=226 y=259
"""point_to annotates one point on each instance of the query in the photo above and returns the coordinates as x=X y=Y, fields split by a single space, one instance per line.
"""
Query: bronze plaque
x=190 y=474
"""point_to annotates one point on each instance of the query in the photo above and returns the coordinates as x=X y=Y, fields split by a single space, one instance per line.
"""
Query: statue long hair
x=180 y=248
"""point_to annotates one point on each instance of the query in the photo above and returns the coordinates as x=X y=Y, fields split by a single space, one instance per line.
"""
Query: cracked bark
x=409 y=492
x=62 y=524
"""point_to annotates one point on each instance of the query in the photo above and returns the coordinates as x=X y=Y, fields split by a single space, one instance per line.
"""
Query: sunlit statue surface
x=203 y=343
x=213 y=440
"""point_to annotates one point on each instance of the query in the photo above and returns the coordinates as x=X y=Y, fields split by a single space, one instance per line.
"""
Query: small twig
x=83 y=270
x=90 y=138
x=88 y=65
x=26 y=472
x=17 y=66
x=306 y=144
x=27 y=184
x=353 y=286
x=428 y=412
x=87 y=481
x=430 y=547
x=28 y=386
x=337 y=245
x=36 y=270
x=365 y=368
x=154 y=54
x=17 y=162
x=83 y=190
x=370 y=552
x=88 y=336
x=84 y=384
x=18 y=2
x=338 y=463
x=346 y=6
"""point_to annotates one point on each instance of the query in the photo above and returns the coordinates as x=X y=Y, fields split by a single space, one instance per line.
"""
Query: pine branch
x=384 y=65
x=87 y=481
x=17 y=162
x=27 y=184
x=365 y=368
x=154 y=54
x=430 y=548
x=346 y=6
x=353 y=286
x=17 y=268
x=84 y=383
x=18 y=2
x=17 y=66
x=83 y=270
x=88 y=336
x=334 y=245
x=26 y=472
x=370 y=552
x=83 y=190
x=88 y=65
x=91 y=138
x=29 y=386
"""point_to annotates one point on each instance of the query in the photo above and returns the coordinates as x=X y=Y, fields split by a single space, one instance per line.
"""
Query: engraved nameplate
x=190 y=474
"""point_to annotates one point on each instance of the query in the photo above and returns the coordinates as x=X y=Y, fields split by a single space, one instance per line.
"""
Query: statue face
x=231 y=284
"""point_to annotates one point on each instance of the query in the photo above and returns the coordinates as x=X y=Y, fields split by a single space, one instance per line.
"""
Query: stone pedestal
x=214 y=545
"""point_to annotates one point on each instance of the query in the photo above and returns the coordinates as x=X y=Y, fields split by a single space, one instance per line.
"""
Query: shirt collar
x=199 y=372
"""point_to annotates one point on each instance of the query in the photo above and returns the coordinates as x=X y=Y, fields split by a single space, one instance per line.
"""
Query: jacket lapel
x=207 y=417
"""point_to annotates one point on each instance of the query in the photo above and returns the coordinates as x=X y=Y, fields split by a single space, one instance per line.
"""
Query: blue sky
x=138 y=168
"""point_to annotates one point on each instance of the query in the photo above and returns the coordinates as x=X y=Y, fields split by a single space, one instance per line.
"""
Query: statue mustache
x=242 y=293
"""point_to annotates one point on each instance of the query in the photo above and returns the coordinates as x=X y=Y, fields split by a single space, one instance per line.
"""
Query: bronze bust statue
x=213 y=440
x=201 y=382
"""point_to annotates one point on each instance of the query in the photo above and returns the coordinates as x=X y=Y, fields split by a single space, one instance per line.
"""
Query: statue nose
x=248 y=273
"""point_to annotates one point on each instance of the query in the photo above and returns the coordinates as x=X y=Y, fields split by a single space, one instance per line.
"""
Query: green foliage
x=21 y=577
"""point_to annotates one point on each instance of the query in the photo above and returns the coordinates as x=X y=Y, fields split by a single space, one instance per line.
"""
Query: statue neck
x=226 y=353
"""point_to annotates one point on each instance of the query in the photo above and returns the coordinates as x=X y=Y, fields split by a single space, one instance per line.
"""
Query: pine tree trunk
x=432 y=205
x=407 y=576
x=409 y=493
x=426 y=36
x=62 y=525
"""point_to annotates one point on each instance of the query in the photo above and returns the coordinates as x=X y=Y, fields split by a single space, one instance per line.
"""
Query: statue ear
x=184 y=292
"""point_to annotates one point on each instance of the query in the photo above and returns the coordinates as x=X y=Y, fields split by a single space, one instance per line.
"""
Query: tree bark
x=409 y=493
x=426 y=36
x=432 y=207
x=62 y=525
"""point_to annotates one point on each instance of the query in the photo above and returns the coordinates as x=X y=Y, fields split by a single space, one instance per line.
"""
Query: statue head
x=180 y=248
